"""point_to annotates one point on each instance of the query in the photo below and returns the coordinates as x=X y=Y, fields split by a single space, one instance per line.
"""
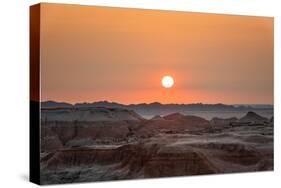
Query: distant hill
x=54 y=104
x=155 y=105
x=89 y=114
x=253 y=117
x=156 y=108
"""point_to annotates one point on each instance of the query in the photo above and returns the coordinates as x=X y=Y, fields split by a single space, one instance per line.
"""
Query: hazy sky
x=95 y=53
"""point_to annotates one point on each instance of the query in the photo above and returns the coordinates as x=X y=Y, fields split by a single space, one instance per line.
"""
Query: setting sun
x=167 y=81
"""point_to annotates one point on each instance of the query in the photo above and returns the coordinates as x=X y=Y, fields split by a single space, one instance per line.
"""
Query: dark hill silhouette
x=89 y=114
x=54 y=104
x=174 y=116
x=253 y=118
x=151 y=109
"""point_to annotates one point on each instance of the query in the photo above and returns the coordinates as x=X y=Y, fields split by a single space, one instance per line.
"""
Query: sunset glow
x=95 y=54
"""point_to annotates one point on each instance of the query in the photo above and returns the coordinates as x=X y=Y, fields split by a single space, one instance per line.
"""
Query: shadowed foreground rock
x=173 y=145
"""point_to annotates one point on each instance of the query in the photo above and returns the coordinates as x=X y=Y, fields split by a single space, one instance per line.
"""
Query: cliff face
x=74 y=134
x=132 y=147
x=108 y=129
x=154 y=158
x=133 y=160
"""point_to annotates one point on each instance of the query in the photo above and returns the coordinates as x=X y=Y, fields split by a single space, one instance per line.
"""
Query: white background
x=14 y=91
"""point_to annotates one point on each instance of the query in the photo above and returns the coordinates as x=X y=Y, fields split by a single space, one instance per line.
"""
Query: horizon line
x=90 y=102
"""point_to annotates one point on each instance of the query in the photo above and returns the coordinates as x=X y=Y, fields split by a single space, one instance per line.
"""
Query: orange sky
x=96 y=53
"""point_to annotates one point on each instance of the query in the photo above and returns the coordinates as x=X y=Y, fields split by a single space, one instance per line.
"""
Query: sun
x=167 y=81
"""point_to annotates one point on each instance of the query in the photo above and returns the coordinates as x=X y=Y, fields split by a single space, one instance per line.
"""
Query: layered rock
x=157 y=117
x=115 y=147
x=222 y=121
x=88 y=114
x=252 y=117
